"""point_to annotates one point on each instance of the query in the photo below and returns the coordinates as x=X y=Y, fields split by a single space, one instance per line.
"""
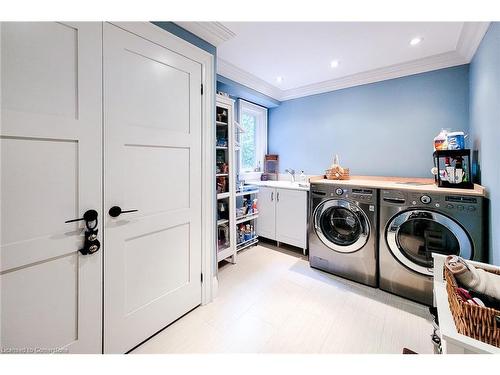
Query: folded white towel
x=474 y=278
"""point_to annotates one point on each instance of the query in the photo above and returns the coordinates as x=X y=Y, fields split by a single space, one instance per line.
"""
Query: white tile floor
x=273 y=302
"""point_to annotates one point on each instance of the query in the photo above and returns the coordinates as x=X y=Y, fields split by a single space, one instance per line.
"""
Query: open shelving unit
x=235 y=209
x=225 y=179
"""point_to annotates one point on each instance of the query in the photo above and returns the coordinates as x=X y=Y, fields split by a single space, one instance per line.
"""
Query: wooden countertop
x=400 y=183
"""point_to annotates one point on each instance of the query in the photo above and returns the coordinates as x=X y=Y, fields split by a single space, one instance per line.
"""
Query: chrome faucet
x=292 y=173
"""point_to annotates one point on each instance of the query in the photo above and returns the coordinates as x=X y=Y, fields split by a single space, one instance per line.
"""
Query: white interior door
x=266 y=223
x=51 y=295
x=152 y=122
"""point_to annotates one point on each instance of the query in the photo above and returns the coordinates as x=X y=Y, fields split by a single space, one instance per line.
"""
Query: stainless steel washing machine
x=413 y=225
x=343 y=231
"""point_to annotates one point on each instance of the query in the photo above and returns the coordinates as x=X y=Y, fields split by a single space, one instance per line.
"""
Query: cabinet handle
x=278 y=196
x=272 y=196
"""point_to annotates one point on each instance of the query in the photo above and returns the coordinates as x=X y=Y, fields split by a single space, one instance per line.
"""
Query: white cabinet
x=291 y=217
x=266 y=223
x=283 y=215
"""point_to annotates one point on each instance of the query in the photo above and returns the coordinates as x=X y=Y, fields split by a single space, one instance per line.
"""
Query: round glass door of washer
x=341 y=225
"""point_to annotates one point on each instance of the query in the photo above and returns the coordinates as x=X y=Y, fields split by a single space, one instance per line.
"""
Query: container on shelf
x=453 y=169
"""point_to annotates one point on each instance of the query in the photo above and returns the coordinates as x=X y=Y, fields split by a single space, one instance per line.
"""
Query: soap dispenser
x=302 y=177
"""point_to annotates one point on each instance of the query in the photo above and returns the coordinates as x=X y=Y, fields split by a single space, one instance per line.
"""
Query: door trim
x=363 y=237
x=161 y=37
x=392 y=230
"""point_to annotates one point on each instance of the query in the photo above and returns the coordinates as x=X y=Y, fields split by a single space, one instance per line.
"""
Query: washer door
x=341 y=225
x=414 y=235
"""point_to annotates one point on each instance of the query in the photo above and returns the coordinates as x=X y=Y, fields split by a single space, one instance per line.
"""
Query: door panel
x=152 y=122
x=291 y=217
x=50 y=172
x=266 y=223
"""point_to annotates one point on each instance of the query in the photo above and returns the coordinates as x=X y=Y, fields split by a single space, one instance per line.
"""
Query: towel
x=474 y=278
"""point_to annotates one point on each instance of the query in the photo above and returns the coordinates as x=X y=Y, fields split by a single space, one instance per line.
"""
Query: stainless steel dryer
x=343 y=231
x=413 y=225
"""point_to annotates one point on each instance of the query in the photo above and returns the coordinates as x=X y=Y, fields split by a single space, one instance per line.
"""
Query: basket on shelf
x=480 y=323
x=337 y=174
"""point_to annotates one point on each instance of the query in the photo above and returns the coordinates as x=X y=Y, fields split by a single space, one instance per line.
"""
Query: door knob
x=116 y=211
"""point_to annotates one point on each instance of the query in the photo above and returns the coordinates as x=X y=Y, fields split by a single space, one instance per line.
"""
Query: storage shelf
x=244 y=219
x=225 y=253
x=223 y=195
x=247 y=243
x=224 y=146
x=248 y=192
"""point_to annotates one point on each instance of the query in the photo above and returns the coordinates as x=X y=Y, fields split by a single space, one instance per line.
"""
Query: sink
x=282 y=184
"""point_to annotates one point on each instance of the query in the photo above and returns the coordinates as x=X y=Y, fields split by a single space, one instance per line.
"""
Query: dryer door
x=414 y=235
x=341 y=225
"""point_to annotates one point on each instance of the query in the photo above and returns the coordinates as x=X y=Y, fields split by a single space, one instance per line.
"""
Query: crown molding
x=236 y=74
x=444 y=60
x=470 y=37
x=213 y=32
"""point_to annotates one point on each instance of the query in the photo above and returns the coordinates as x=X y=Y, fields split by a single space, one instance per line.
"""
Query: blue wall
x=385 y=128
x=485 y=125
x=186 y=35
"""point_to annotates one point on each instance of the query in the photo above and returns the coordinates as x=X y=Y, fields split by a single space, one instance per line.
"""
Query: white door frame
x=159 y=36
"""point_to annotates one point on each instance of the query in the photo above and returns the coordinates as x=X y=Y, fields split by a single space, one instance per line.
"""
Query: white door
x=266 y=223
x=291 y=217
x=51 y=295
x=152 y=122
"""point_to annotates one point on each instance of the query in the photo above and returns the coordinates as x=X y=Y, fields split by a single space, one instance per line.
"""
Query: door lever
x=88 y=216
x=116 y=211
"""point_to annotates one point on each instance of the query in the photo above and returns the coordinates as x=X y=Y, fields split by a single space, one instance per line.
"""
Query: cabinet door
x=266 y=223
x=291 y=217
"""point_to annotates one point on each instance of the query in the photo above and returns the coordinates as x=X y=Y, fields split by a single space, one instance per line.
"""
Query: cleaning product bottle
x=441 y=140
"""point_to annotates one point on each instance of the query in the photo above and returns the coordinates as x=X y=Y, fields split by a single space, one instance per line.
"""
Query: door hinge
x=202 y=89
x=201 y=278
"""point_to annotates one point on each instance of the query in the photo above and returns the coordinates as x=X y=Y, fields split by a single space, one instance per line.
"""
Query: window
x=253 y=141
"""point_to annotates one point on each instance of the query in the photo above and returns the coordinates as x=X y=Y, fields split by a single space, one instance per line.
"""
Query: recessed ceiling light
x=334 y=63
x=415 y=41
x=279 y=79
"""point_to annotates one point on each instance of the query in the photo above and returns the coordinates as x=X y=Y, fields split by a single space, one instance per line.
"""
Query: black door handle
x=116 y=211
x=91 y=243
x=88 y=216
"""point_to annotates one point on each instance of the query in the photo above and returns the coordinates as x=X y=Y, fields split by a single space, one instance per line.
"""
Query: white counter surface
x=281 y=184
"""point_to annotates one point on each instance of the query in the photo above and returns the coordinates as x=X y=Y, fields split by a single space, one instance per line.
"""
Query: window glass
x=253 y=139
x=248 y=142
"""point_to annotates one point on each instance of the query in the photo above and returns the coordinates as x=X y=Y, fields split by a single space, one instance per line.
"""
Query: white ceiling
x=256 y=53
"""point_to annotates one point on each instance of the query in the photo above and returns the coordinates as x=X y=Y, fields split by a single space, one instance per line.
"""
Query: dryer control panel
x=454 y=204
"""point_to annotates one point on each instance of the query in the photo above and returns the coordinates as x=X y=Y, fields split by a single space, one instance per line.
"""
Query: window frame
x=261 y=116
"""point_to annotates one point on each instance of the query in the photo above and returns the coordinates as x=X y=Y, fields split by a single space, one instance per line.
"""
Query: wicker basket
x=334 y=175
x=480 y=323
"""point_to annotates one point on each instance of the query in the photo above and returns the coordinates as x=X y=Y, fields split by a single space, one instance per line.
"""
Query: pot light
x=334 y=63
x=279 y=79
x=415 y=41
